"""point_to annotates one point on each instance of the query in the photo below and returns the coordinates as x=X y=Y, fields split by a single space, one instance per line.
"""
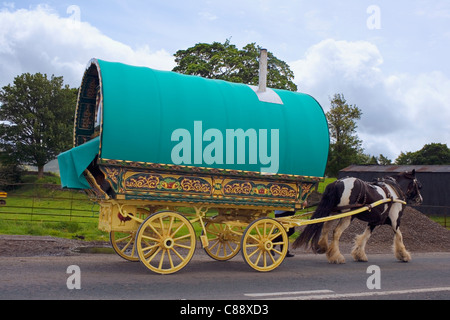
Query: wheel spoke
x=162 y=259
x=150 y=238
x=124 y=238
x=215 y=243
x=156 y=231
x=171 y=223
x=181 y=246
x=259 y=257
x=161 y=223
x=150 y=247
x=178 y=254
x=218 y=249
x=153 y=255
x=254 y=252
x=127 y=245
x=272 y=257
x=276 y=251
x=270 y=232
x=275 y=235
x=170 y=259
x=182 y=237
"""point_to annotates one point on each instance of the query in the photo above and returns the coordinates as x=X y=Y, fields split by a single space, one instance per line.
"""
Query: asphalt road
x=304 y=277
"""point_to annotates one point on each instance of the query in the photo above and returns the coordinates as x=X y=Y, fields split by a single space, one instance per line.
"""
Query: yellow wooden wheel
x=165 y=242
x=223 y=240
x=259 y=244
x=123 y=244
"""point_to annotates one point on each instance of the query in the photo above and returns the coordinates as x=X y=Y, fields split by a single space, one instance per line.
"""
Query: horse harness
x=380 y=182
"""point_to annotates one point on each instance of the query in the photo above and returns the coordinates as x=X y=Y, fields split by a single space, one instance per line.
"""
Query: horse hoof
x=404 y=257
x=337 y=260
x=359 y=257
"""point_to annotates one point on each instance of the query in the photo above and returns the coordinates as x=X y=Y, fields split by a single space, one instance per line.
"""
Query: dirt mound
x=420 y=234
x=29 y=246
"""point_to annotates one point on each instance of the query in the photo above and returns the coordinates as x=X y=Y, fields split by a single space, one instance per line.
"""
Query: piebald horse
x=350 y=193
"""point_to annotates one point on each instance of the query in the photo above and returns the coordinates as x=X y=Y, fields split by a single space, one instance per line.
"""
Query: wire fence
x=46 y=203
x=50 y=203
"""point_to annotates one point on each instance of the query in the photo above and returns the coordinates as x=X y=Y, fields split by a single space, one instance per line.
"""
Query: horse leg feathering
x=359 y=248
x=399 y=248
x=334 y=254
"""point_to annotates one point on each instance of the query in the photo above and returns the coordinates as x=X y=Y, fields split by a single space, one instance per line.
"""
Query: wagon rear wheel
x=224 y=240
x=123 y=244
x=165 y=242
x=264 y=244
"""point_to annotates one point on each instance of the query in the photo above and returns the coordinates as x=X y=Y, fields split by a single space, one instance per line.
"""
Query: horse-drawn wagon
x=148 y=144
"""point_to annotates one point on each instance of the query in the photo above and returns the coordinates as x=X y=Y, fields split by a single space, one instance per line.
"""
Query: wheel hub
x=268 y=245
x=168 y=243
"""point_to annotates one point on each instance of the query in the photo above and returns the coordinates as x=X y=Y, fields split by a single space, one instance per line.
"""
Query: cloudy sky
x=390 y=58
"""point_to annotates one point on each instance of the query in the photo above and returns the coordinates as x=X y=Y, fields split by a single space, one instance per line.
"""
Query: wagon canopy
x=146 y=117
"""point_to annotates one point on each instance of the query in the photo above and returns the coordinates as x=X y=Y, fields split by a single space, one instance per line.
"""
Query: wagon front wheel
x=165 y=242
x=264 y=244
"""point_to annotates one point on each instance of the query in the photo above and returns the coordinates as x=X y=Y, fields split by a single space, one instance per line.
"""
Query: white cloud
x=207 y=15
x=401 y=112
x=39 y=40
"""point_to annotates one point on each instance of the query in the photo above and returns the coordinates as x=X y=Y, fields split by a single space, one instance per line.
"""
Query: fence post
x=71 y=207
x=32 y=202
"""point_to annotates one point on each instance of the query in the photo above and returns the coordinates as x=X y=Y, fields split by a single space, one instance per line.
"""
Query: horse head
x=410 y=186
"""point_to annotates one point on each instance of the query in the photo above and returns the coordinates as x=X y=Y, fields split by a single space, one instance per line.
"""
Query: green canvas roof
x=162 y=117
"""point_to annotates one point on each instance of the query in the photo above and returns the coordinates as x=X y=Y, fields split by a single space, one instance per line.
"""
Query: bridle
x=413 y=190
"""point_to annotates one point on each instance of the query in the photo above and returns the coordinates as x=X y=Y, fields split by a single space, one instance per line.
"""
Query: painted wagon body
x=148 y=141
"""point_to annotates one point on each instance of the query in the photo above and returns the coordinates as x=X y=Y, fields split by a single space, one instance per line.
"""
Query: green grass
x=40 y=207
x=68 y=230
x=323 y=185
x=442 y=220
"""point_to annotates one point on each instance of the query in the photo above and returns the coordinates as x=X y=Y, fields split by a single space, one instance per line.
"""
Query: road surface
x=303 y=277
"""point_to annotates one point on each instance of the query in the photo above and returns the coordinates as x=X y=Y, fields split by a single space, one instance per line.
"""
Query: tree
x=430 y=154
x=37 y=119
x=384 y=161
x=345 y=146
x=225 y=61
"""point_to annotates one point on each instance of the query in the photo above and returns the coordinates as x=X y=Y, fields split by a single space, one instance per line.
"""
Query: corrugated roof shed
x=397 y=168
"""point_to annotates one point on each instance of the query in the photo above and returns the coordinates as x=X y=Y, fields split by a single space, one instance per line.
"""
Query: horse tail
x=311 y=234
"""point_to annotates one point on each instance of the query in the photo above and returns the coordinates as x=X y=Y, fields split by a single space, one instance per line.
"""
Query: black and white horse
x=350 y=193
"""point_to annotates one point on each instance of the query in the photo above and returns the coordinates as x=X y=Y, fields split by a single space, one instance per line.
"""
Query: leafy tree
x=225 y=61
x=37 y=119
x=384 y=160
x=345 y=146
x=430 y=154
